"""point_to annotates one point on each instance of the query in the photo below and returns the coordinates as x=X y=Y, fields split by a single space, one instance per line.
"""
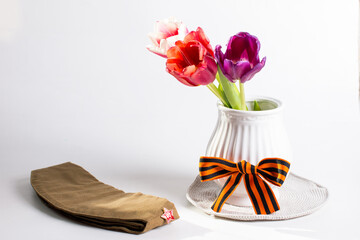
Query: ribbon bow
x=274 y=170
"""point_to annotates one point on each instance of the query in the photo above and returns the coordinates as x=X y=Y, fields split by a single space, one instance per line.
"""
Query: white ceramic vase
x=251 y=136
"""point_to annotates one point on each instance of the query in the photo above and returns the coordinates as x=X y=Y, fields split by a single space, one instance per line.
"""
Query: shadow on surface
x=160 y=184
x=27 y=193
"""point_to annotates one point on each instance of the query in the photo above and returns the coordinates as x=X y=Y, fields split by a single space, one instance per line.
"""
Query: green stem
x=218 y=93
x=221 y=90
x=242 y=96
x=230 y=90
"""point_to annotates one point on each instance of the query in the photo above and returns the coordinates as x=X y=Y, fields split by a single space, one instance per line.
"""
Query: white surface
x=77 y=84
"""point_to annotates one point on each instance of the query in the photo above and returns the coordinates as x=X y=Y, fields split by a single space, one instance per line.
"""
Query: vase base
x=297 y=197
x=240 y=201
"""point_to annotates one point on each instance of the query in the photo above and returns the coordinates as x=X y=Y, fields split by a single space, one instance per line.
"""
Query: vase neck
x=271 y=109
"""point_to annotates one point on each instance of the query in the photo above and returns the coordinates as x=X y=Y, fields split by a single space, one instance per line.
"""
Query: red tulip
x=200 y=36
x=191 y=63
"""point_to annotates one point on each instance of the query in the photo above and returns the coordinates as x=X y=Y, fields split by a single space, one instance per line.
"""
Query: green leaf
x=231 y=92
x=220 y=88
x=218 y=93
x=256 y=106
x=221 y=91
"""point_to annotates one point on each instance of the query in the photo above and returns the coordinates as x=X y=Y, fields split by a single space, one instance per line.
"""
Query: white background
x=77 y=84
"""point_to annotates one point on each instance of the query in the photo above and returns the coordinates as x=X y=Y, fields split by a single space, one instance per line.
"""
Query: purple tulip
x=241 y=59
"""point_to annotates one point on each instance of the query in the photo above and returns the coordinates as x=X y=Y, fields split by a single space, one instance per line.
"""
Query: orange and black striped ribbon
x=273 y=170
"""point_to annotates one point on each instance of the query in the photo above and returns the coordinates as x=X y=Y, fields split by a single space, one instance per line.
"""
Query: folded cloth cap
x=74 y=192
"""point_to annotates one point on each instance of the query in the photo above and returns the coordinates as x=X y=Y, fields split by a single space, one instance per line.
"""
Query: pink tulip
x=165 y=34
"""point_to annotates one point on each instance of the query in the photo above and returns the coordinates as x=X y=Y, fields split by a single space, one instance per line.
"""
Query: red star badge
x=168 y=215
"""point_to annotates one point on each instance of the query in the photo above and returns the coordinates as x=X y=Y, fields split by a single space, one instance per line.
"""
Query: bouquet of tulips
x=192 y=60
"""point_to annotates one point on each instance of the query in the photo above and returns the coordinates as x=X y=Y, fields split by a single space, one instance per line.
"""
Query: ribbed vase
x=251 y=136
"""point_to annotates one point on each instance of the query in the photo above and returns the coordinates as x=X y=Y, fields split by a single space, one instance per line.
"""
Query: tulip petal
x=235 y=71
x=241 y=42
x=191 y=64
x=174 y=53
x=182 y=31
x=219 y=54
x=253 y=71
x=210 y=64
x=253 y=43
x=189 y=70
x=204 y=73
x=168 y=29
x=244 y=56
x=204 y=40
x=200 y=36
x=194 y=53
x=172 y=40
x=253 y=51
x=174 y=65
x=155 y=50
x=241 y=58
x=166 y=33
x=184 y=80
x=203 y=77
x=235 y=48
x=190 y=36
x=241 y=68
x=155 y=39
x=228 y=71
x=220 y=57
